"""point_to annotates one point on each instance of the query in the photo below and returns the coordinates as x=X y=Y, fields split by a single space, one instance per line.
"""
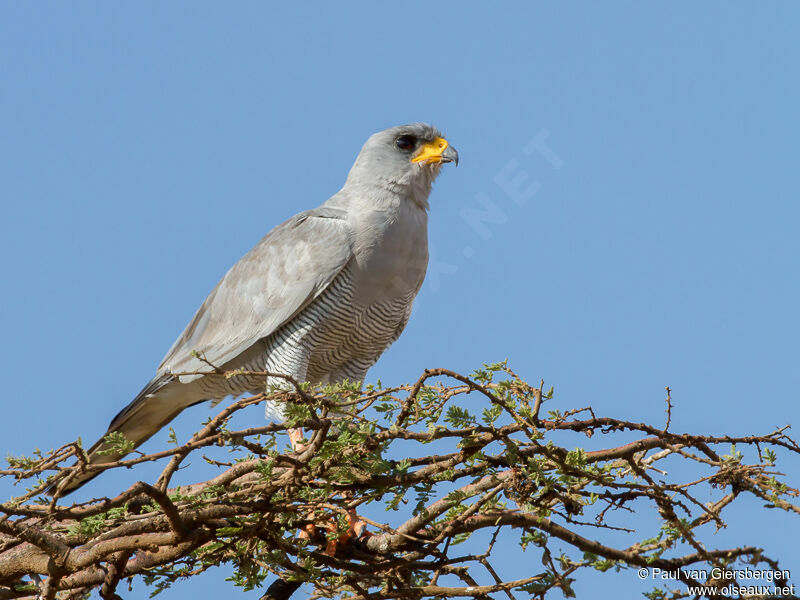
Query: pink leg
x=356 y=528
x=295 y=437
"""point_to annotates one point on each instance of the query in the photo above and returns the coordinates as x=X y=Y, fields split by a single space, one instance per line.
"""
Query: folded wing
x=287 y=269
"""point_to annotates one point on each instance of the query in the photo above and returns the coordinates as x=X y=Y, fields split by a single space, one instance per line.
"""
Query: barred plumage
x=334 y=338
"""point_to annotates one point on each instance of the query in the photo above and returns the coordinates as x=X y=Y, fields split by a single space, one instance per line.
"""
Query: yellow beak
x=437 y=151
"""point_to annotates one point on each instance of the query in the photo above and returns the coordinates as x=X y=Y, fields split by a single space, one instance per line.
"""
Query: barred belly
x=332 y=339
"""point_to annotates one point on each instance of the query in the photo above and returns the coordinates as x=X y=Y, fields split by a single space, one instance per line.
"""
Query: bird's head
x=403 y=158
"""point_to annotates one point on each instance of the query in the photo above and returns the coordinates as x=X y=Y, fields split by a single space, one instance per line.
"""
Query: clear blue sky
x=146 y=146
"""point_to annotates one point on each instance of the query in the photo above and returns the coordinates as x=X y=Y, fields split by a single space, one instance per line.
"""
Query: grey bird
x=319 y=298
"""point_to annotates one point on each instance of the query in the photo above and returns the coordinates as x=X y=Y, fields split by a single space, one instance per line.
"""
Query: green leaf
x=116 y=443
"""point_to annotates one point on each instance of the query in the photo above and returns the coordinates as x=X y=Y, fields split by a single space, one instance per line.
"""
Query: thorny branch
x=479 y=462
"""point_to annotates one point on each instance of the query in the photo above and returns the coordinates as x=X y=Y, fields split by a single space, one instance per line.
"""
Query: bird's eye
x=406 y=142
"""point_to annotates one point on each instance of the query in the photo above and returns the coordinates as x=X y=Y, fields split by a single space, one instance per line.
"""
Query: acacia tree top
x=443 y=471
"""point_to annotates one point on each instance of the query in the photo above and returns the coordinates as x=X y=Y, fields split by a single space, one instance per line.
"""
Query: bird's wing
x=287 y=269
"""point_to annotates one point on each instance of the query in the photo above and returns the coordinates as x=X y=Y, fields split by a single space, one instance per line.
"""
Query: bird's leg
x=295 y=439
x=356 y=528
x=309 y=531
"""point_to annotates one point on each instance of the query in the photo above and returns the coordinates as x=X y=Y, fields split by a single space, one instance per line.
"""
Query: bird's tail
x=155 y=406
